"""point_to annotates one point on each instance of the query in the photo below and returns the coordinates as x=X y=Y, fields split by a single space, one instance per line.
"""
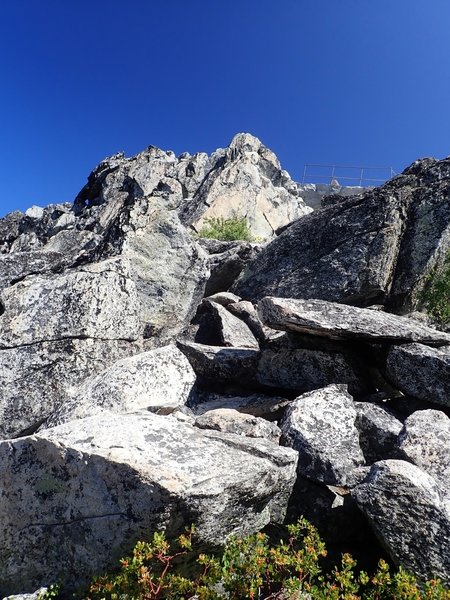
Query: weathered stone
x=305 y=369
x=339 y=321
x=379 y=247
x=219 y=327
x=250 y=183
x=425 y=441
x=223 y=298
x=229 y=420
x=320 y=425
x=158 y=380
x=38 y=379
x=105 y=482
x=410 y=515
x=421 y=372
x=98 y=301
x=225 y=261
x=248 y=313
x=270 y=408
x=221 y=364
x=378 y=431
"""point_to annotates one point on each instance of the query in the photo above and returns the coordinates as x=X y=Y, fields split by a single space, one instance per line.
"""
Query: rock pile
x=138 y=392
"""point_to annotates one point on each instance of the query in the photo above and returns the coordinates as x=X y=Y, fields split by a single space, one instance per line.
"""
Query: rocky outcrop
x=410 y=514
x=105 y=482
x=138 y=404
x=379 y=247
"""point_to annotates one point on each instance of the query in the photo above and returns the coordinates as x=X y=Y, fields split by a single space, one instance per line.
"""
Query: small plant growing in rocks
x=219 y=228
x=436 y=293
x=253 y=568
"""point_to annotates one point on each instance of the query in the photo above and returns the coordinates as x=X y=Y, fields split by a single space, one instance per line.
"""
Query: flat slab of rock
x=425 y=441
x=158 y=380
x=320 y=425
x=341 y=321
x=105 y=482
x=408 y=512
x=232 y=421
x=258 y=405
x=421 y=372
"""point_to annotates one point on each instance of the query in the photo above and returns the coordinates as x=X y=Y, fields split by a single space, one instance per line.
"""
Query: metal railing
x=347 y=175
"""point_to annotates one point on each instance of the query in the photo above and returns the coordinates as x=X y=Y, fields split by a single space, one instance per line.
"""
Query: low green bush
x=219 y=228
x=253 y=568
x=436 y=293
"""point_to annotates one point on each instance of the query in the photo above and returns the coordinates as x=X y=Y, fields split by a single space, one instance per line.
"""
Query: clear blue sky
x=343 y=81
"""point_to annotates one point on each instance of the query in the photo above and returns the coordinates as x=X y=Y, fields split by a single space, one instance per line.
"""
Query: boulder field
x=150 y=379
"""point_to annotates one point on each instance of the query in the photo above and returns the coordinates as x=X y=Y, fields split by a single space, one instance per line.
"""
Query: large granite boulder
x=410 y=514
x=320 y=425
x=421 y=372
x=379 y=247
x=378 y=431
x=339 y=321
x=76 y=497
x=159 y=380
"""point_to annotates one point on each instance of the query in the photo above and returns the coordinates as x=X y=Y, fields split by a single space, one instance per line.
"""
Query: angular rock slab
x=232 y=421
x=216 y=363
x=159 y=380
x=425 y=441
x=421 y=372
x=79 y=495
x=340 y=321
x=320 y=425
x=231 y=330
x=409 y=514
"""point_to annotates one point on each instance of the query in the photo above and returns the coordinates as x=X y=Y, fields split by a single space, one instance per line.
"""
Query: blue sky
x=342 y=81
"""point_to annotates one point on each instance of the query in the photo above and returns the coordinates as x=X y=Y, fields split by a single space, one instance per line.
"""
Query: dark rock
x=379 y=247
x=421 y=372
x=378 y=431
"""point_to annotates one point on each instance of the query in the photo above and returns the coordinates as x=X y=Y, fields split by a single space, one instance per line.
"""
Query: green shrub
x=219 y=228
x=436 y=293
x=253 y=568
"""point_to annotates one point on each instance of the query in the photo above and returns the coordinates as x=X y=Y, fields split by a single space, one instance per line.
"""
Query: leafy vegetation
x=253 y=568
x=436 y=293
x=219 y=228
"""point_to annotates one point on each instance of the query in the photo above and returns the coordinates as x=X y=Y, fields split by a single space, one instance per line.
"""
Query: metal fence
x=347 y=175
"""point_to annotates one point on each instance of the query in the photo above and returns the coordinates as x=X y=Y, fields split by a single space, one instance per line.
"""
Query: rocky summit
x=152 y=379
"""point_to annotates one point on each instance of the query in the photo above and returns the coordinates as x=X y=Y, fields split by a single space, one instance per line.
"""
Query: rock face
x=320 y=425
x=375 y=248
x=115 y=422
x=105 y=482
x=408 y=511
x=421 y=372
